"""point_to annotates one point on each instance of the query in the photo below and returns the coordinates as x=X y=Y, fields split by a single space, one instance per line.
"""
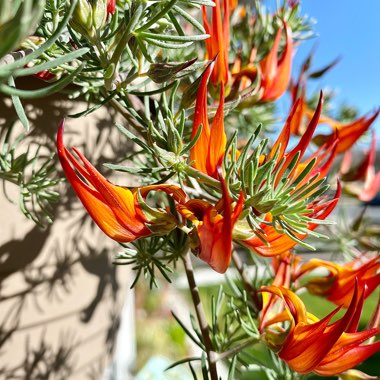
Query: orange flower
x=278 y=243
x=115 y=209
x=212 y=235
x=218 y=43
x=209 y=149
x=338 y=286
x=313 y=345
x=364 y=172
x=276 y=72
x=346 y=133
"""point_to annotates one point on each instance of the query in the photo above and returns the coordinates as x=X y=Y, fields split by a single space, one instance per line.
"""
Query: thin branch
x=247 y=282
x=118 y=107
x=204 y=327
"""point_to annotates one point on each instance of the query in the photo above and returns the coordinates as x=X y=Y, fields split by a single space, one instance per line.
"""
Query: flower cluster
x=219 y=191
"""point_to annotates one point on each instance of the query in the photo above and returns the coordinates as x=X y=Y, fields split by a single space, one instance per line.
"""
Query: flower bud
x=99 y=13
x=111 y=7
x=89 y=16
x=174 y=139
x=82 y=18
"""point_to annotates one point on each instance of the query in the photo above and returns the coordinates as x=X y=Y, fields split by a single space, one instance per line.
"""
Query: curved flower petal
x=276 y=72
x=115 y=209
x=214 y=228
x=209 y=149
x=318 y=345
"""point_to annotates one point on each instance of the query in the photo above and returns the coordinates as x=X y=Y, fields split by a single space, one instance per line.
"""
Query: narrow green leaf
x=169 y=38
x=193 y=141
x=33 y=94
x=190 y=19
x=50 y=64
x=167 y=45
x=19 y=108
x=157 y=17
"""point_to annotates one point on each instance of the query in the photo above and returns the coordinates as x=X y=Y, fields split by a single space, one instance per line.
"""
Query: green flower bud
x=99 y=13
x=82 y=18
x=89 y=16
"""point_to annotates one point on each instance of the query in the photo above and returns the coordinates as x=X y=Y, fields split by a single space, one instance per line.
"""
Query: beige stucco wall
x=60 y=294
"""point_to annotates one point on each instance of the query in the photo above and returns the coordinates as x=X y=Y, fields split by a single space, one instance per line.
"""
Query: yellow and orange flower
x=219 y=42
x=278 y=243
x=284 y=266
x=209 y=149
x=313 y=345
x=338 y=286
x=275 y=71
x=115 y=209
x=212 y=234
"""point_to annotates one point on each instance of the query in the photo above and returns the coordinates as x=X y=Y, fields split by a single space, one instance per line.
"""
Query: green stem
x=235 y=350
x=203 y=325
x=203 y=177
x=246 y=280
x=132 y=122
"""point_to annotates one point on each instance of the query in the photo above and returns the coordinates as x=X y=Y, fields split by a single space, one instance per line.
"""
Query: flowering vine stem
x=246 y=280
x=201 y=317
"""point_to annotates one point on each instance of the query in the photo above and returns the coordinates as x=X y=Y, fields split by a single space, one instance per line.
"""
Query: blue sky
x=349 y=29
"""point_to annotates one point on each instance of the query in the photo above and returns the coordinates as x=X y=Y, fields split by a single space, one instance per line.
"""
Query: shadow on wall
x=60 y=297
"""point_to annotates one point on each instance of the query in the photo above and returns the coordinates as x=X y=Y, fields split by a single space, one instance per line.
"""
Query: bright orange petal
x=218 y=138
x=276 y=73
x=94 y=202
x=348 y=360
x=199 y=151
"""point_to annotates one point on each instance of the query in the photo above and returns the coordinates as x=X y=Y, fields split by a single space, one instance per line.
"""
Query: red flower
x=346 y=133
x=337 y=286
x=115 y=209
x=111 y=6
x=212 y=236
x=313 y=345
x=368 y=184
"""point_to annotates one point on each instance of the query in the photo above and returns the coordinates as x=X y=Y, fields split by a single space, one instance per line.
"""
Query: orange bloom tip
x=209 y=149
x=218 y=44
x=346 y=133
x=275 y=72
x=115 y=209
